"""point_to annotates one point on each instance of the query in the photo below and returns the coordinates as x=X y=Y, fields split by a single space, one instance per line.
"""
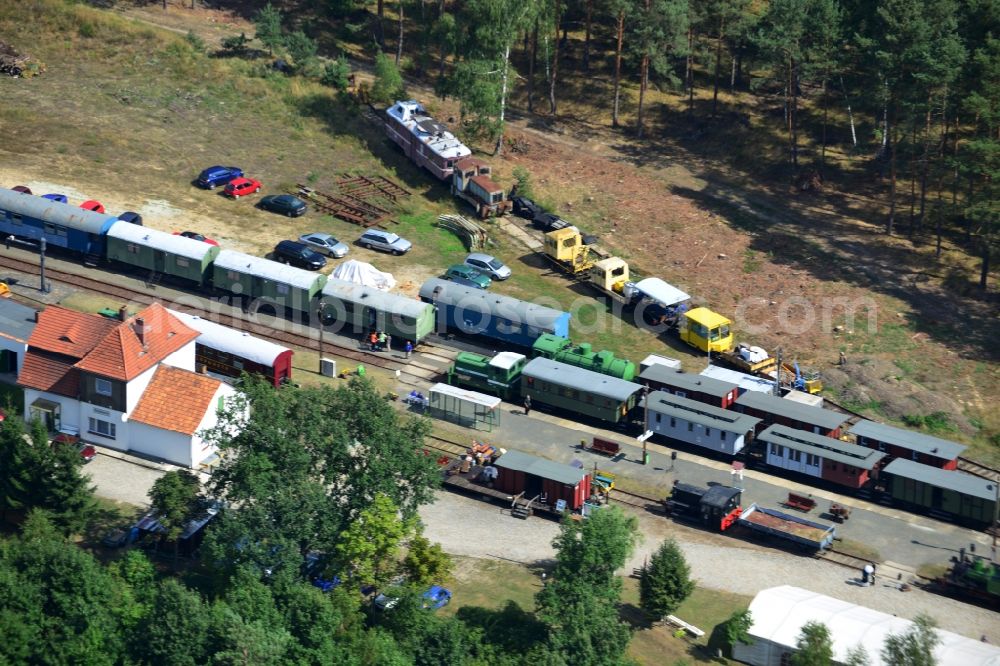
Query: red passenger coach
x=228 y=352
x=547 y=480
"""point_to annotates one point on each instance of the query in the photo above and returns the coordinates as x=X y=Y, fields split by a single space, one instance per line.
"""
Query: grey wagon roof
x=914 y=441
x=547 y=469
x=949 y=479
x=827 y=448
x=688 y=382
x=369 y=296
x=16 y=321
x=445 y=292
x=160 y=240
x=269 y=270
x=661 y=402
x=562 y=374
x=56 y=212
x=796 y=411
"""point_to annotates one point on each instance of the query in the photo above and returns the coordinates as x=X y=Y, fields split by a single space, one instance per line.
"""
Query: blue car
x=215 y=176
x=435 y=597
x=61 y=198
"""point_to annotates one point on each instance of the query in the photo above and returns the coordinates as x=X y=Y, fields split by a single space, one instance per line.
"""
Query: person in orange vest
x=373 y=341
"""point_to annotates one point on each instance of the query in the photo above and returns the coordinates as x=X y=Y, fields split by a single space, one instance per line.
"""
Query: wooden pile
x=472 y=234
x=16 y=64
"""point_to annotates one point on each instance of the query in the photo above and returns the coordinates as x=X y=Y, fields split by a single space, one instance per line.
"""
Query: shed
x=902 y=443
x=534 y=476
x=779 y=614
x=656 y=359
x=174 y=255
x=696 y=387
x=467 y=408
x=804 y=398
x=16 y=324
x=774 y=410
x=744 y=382
x=693 y=422
x=819 y=456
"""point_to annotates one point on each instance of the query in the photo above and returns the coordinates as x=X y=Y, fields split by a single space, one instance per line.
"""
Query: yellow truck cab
x=706 y=330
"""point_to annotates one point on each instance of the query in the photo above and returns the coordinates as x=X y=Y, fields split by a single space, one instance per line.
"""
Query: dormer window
x=102 y=386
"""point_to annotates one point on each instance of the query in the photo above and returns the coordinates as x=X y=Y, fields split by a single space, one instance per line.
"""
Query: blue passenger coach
x=60 y=224
x=481 y=312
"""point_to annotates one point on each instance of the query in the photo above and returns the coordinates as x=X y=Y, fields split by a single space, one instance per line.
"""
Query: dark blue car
x=215 y=176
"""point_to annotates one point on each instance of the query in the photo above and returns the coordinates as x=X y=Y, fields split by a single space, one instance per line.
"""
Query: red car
x=95 y=206
x=87 y=452
x=241 y=187
x=194 y=235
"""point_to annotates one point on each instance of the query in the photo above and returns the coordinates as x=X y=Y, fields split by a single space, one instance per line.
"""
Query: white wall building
x=779 y=613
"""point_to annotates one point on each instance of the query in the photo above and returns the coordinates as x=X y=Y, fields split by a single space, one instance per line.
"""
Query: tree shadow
x=510 y=628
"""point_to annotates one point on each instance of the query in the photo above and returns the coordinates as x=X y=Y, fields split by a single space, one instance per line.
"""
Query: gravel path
x=473 y=528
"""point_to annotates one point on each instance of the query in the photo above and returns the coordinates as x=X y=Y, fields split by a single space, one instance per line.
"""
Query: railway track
x=289 y=338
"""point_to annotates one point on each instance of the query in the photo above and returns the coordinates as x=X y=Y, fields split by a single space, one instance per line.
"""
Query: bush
x=301 y=47
x=335 y=75
x=388 y=85
x=236 y=44
x=196 y=42
x=522 y=178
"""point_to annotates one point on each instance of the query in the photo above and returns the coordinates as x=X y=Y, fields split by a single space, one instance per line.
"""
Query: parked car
x=325 y=244
x=299 y=254
x=117 y=537
x=87 y=451
x=131 y=218
x=549 y=222
x=194 y=235
x=467 y=275
x=376 y=239
x=214 y=176
x=61 y=198
x=23 y=189
x=239 y=187
x=526 y=208
x=383 y=602
x=285 y=204
x=435 y=597
x=488 y=264
x=93 y=205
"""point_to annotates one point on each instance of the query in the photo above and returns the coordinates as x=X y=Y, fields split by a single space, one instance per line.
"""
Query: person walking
x=373 y=341
x=388 y=342
x=7 y=241
x=408 y=348
x=868 y=575
x=527 y=405
x=381 y=340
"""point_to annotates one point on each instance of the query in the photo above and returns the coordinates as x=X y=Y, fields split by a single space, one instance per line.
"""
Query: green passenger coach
x=179 y=258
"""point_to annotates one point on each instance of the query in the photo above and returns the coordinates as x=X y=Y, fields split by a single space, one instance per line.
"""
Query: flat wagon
x=771 y=522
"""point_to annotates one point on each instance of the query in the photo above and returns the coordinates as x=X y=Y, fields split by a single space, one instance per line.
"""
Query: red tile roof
x=53 y=373
x=137 y=344
x=176 y=400
x=69 y=332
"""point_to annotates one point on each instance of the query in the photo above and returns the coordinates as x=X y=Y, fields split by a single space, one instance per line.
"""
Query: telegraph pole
x=43 y=287
x=322 y=324
x=645 y=425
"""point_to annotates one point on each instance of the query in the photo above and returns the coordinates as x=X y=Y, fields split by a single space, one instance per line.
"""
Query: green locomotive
x=497 y=375
x=582 y=355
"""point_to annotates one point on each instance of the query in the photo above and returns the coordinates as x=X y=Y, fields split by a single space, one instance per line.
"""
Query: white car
x=376 y=239
x=488 y=265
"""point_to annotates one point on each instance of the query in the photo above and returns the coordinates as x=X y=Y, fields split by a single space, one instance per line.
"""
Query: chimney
x=122 y=313
x=37 y=312
x=140 y=330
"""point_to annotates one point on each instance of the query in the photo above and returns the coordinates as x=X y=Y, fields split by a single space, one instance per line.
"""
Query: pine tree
x=17 y=482
x=268 y=25
x=665 y=581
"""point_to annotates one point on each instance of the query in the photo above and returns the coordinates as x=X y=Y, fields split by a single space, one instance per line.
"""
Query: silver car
x=488 y=265
x=325 y=244
x=376 y=239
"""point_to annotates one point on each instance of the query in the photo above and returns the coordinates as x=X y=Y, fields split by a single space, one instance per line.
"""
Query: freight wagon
x=950 y=494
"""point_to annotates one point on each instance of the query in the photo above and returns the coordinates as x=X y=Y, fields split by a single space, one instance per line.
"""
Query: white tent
x=780 y=612
x=364 y=274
